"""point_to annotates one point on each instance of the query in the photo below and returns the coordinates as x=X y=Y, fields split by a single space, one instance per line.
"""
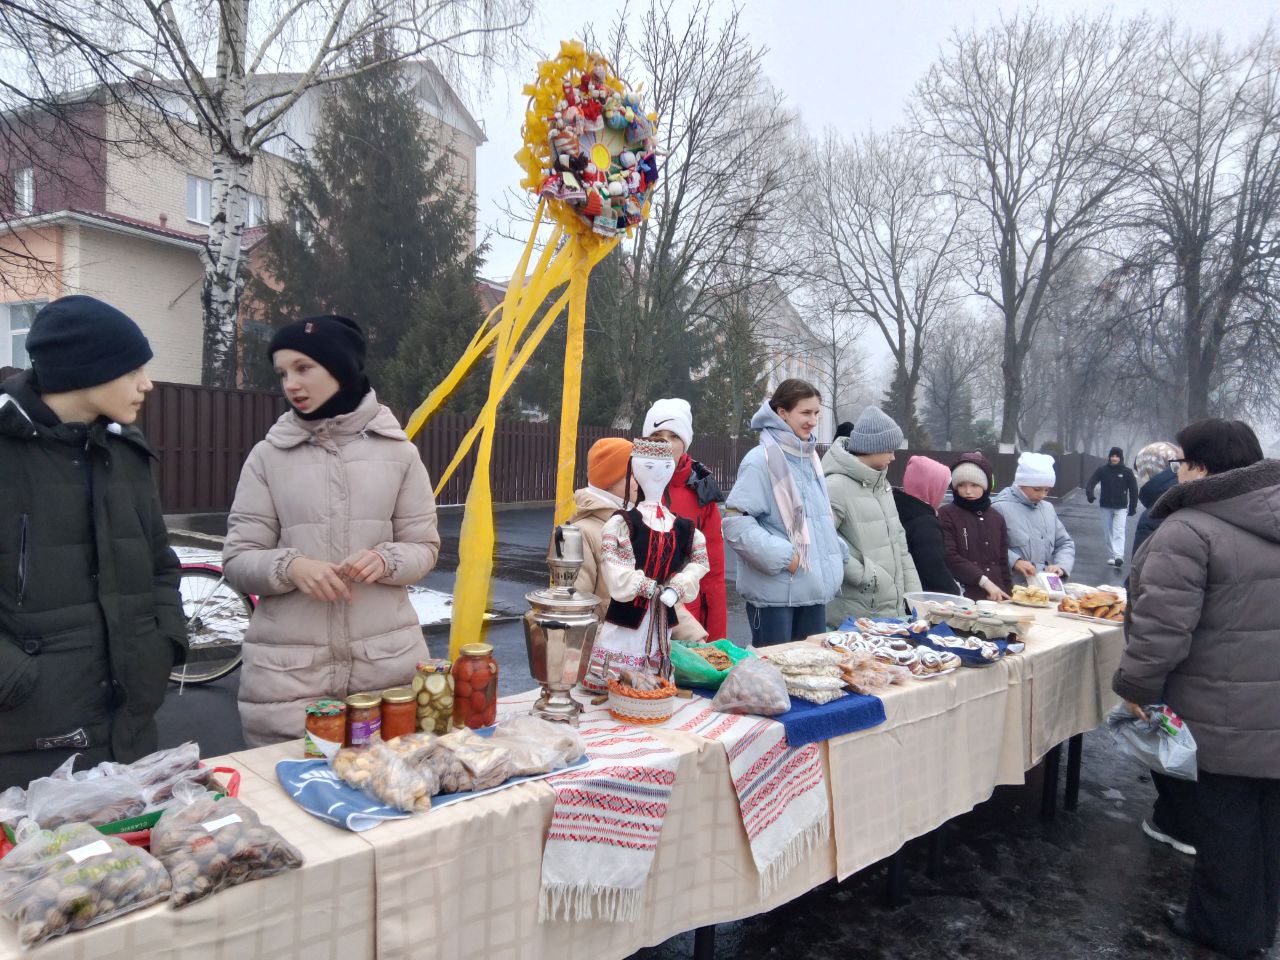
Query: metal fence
x=202 y=436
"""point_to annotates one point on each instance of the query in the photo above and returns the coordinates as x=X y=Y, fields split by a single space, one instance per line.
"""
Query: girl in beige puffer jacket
x=333 y=517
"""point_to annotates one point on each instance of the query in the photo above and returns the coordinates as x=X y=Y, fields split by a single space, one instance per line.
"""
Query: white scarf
x=777 y=444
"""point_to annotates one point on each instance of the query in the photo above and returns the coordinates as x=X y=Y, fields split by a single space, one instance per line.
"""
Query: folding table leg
x=1075 y=747
x=895 y=893
x=704 y=943
x=1049 y=795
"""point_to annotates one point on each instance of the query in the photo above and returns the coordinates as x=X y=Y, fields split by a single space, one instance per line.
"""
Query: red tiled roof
x=155 y=228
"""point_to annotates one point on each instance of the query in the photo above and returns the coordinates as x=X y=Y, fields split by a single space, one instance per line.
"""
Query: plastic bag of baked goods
x=208 y=844
x=815 y=689
x=72 y=877
x=754 y=687
x=537 y=745
x=804 y=658
x=388 y=775
x=489 y=763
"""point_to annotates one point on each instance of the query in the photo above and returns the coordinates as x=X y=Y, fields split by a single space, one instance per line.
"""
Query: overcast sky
x=845 y=64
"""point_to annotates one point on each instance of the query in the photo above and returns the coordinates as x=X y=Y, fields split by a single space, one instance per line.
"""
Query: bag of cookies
x=72 y=877
x=754 y=687
x=489 y=763
x=388 y=773
x=208 y=845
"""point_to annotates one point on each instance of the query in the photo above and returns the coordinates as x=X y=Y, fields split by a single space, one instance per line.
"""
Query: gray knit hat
x=874 y=432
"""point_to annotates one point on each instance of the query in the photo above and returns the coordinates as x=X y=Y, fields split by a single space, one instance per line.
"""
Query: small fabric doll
x=652 y=560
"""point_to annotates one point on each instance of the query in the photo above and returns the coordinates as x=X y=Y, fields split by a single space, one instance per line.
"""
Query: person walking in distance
x=1119 y=497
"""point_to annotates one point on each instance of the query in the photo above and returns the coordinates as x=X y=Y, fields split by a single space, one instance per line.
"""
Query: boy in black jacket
x=1119 y=494
x=90 y=614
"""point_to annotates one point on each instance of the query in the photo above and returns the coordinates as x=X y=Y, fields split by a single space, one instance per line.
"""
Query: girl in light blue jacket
x=778 y=521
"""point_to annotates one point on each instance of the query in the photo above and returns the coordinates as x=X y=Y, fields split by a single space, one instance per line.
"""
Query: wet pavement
x=1088 y=884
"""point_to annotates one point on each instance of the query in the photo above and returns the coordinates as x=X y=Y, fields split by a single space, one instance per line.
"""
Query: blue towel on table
x=809 y=722
x=321 y=792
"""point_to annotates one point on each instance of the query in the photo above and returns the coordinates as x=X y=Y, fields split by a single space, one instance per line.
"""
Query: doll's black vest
x=632 y=613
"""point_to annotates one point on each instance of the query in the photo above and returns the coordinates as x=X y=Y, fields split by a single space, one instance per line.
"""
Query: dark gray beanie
x=874 y=432
x=78 y=342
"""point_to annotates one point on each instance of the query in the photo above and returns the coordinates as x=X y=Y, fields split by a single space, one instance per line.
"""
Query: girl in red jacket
x=693 y=493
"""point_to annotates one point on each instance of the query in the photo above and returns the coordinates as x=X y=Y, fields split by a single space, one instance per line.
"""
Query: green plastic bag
x=693 y=671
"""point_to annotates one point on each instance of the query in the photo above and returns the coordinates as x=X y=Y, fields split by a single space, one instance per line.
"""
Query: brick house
x=87 y=209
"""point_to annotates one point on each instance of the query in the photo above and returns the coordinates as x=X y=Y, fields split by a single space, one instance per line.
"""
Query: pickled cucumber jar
x=475 y=687
x=433 y=689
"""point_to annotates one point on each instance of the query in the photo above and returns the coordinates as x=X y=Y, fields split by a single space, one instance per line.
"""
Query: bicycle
x=217 y=618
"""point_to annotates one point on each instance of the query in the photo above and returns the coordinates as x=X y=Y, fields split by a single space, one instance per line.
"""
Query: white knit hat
x=1035 y=470
x=672 y=414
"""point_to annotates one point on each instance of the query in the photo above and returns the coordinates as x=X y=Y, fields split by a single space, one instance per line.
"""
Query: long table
x=463 y=881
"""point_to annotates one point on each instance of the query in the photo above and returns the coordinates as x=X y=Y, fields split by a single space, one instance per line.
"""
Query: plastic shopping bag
x=1162 y=743
x=694 y=670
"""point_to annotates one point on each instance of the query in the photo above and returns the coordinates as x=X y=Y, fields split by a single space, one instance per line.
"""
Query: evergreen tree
x=901 y=405
x=379 y=228
x=735 y=381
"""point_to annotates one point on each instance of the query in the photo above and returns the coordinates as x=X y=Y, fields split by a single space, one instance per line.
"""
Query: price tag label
x=95 y=849
x=214 y=825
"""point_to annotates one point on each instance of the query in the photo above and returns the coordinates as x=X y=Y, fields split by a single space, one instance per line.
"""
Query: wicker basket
x=628 y=705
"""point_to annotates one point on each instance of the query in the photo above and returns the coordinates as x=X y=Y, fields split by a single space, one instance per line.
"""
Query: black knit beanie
x=79 y=342
x=1116 y=452
x=337 y=344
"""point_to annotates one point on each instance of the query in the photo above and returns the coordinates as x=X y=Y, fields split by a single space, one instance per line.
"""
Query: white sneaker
x=1156 y=835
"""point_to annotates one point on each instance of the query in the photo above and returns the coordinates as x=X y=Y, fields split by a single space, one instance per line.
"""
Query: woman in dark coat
x=1203 y=637
x=975 y=533
x=923 y=486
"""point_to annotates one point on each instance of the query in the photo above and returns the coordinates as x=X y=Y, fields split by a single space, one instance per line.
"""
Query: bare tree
x=725 y=137
x=883 y=240
x=1036 y=121
x=223 y=62
x=960 y=346
x=829 y=340
x=1209 y=207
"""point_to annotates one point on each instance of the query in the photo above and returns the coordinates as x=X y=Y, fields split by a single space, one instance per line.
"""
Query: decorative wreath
x=589 y=147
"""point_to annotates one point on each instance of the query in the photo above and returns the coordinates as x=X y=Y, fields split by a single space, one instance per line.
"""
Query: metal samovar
x=560 y=629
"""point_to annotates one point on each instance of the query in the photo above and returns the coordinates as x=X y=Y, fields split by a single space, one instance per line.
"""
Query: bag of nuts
x=72 y=877
x=208 y=844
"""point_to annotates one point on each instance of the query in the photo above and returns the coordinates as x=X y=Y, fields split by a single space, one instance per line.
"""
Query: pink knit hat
x=926 y=480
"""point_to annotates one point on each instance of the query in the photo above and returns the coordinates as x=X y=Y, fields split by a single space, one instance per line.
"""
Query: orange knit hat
x=607 y=461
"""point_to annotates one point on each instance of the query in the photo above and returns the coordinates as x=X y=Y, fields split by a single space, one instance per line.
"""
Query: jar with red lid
x=475 y=687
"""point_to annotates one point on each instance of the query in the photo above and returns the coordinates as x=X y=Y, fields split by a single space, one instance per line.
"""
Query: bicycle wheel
x=217 y=618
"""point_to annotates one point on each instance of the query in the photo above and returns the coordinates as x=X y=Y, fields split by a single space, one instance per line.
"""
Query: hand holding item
x=994 y=592
x=1026 y=568
x=668 y=596
x=1056 y=570
x=364 y=566
x=1136 y=710
x=319 y=579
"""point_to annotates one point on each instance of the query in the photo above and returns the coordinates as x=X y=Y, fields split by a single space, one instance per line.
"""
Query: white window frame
x=199 y=189
x=256 y=211
x=10 y=332
x=24 y=192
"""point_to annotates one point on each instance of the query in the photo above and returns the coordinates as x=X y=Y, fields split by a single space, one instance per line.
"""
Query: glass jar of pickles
x=399 y=713
x=364 y=718
x=433 y=687
x=475 y=687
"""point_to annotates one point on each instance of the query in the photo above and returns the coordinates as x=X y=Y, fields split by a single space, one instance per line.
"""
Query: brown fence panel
x=202 y=436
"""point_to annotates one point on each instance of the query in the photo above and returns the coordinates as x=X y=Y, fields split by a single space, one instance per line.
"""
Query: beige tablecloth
x=463 y=881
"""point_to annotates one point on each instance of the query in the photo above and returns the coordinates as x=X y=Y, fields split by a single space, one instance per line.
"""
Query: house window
x=199 y=199
x=24 y=192
x=256 y=211
x=18 y=317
